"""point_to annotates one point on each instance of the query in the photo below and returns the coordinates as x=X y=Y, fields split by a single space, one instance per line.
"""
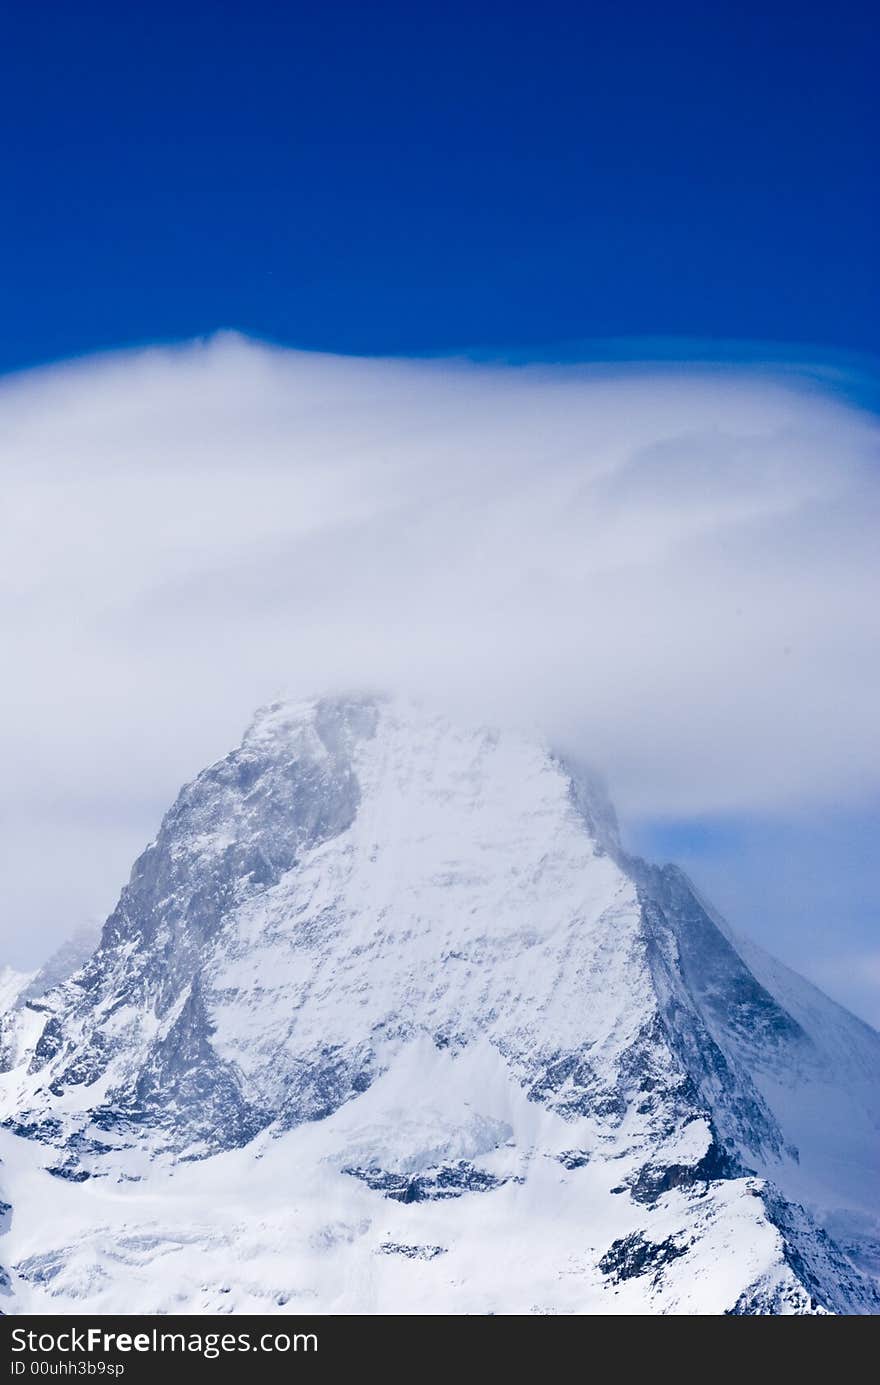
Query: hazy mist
x=674 y=570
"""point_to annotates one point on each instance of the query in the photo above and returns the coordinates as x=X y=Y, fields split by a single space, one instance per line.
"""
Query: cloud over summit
x=673 y=569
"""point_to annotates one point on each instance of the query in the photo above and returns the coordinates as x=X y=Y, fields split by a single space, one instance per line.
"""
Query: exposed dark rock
x=635 y=1255
x=71 y=1172
x=47 y=1130
x=447 y=1181
x=573 y=1158
x=48 y=1044
x=655 y=1178
x=411 y=1252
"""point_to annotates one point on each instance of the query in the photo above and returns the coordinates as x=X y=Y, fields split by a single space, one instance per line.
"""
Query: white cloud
x=675 y=569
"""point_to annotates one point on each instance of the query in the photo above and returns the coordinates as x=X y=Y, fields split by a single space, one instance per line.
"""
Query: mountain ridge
x=361 y=881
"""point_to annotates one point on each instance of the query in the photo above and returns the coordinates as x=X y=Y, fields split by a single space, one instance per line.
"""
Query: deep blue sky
x=416 y=177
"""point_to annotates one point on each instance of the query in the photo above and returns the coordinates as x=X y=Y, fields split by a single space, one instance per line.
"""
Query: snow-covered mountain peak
x=412 y=954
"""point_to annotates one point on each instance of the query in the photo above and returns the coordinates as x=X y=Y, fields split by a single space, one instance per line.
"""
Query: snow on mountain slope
x=276 y=1227
x=396 y=987
x=12 y=984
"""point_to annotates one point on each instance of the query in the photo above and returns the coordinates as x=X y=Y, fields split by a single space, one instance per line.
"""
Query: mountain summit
x=386 y=1020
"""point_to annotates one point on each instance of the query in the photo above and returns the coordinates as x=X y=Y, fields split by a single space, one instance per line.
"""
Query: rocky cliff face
x=415 y=957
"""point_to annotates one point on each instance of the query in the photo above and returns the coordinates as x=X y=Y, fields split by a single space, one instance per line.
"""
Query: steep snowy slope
x=396 y=987
x=13 y=985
